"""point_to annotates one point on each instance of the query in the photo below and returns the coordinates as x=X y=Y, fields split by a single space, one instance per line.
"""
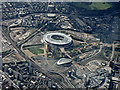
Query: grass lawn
x=93 y=5
x=100 y=6
x=36 y=51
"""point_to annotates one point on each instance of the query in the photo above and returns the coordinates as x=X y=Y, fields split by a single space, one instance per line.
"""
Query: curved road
x=16 y=48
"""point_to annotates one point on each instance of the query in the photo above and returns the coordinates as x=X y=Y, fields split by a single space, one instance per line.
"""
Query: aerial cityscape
x=60 y=45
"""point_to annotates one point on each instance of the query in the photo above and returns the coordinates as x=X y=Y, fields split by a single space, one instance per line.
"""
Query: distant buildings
x=24 y=75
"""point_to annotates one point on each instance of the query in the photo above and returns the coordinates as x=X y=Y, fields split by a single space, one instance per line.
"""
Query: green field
x=100 y=6
x=93 y=5
x=36 y=51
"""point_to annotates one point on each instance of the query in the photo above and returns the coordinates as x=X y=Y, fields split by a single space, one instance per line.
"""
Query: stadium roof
x=48 y=38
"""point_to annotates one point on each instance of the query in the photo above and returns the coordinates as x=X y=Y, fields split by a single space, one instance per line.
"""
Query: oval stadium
x=57 y=38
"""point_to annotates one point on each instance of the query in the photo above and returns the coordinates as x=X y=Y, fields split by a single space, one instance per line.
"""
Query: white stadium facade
x=64 y=61
x=63 y=39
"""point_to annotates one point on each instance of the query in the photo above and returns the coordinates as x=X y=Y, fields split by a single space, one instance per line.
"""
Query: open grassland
x=100 y=6
x=93 y=5
x=36 y=51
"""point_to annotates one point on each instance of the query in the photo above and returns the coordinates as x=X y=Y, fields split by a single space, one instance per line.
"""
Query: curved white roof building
x=57 y=38
x=64 y=61
x=51 y=15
